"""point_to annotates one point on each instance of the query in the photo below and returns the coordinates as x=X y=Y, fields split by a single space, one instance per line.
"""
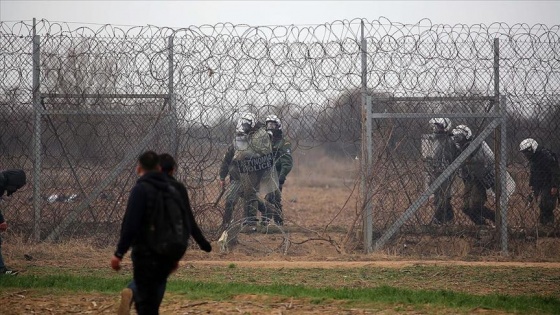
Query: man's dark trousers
x=150 y=278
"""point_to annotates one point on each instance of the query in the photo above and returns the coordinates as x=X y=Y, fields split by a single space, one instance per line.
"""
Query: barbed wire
x=190 y=84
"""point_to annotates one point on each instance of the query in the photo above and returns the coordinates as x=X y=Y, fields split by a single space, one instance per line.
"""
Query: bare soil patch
x=31 y=302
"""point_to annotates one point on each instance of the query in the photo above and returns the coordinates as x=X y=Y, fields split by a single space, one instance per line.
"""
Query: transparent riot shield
x=437 y=153
x=255 y=161
x=486 y=154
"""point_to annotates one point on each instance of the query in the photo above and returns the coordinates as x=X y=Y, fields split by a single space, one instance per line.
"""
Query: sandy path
x=359 y=264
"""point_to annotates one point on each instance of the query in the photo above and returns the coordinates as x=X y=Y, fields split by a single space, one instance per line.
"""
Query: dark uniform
x=545 y=175
x=475 y=173
x=283 y=163
x=245 y=184
x=233 y=191
x=10 y=182
x=444 y=154
x=259 y=146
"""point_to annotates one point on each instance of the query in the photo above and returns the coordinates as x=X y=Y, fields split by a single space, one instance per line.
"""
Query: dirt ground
x=320 y=221
x=75 y=257
x=26 y=302
x=15 y=302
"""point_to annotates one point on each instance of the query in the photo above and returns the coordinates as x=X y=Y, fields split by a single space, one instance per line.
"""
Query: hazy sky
x=186 y=13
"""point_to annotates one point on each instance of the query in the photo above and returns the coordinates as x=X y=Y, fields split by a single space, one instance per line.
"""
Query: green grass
x=226 y=290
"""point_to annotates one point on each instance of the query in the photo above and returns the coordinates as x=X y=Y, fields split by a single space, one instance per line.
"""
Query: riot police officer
x=478 y=176
x=441 y=155
x=283 y=162
x=544 y=178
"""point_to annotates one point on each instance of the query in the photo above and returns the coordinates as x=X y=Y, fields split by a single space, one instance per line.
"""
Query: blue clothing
x=150 y=273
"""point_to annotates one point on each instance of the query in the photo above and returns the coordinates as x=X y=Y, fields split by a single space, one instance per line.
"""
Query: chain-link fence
x=355 y=97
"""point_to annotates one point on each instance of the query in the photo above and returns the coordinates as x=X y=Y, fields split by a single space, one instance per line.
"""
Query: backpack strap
x=151 y=192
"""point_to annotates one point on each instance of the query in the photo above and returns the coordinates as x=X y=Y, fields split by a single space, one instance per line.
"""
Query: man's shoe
x=8 y=272
x=126 y=301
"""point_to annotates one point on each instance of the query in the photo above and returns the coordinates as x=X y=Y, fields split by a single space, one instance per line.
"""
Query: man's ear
x=139 y=169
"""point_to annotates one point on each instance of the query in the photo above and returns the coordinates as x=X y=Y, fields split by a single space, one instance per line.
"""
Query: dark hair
x=167 y=163
x=149 y=161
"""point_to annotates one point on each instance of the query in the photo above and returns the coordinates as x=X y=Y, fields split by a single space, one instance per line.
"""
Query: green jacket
x=227 y=167
x=282 y=150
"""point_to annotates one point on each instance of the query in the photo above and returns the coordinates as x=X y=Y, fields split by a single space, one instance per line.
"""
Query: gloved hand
x=531 y=197
x=206 y=246
x=281 y=179
x=464 y=173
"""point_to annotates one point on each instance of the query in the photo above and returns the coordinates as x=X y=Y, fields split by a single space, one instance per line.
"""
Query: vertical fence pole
x=369 y=187
x=36 y=137
x=366 y=150
x=500 y=166
x=503 y=176
x=496 y=108
x=172 y=104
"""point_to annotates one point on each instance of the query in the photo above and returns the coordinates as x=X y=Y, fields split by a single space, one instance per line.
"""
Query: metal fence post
x=366 y=146
x=500 y=154
x=369 y=161
x=497 y=153
x=174 y=119
x=503 y=177
x=36 y=137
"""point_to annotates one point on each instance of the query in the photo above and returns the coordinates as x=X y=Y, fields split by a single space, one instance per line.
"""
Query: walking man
x=150 y=269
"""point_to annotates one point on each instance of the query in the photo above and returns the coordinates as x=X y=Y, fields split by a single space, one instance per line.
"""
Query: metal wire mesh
x=105 y=94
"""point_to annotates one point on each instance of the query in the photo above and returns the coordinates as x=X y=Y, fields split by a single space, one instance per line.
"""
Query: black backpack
x=11 y=180
x=167 y=233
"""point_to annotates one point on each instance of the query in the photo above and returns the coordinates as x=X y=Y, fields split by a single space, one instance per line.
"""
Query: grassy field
x=322 y=271
x=77 y=279
x=415 y=289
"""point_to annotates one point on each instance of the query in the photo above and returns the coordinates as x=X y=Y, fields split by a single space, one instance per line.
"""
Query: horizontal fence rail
x=78 y=104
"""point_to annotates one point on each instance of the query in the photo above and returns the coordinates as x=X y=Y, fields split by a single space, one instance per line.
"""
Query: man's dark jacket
x=135 y=220
x=10 y=182
x=545 y=172
x=189 y=216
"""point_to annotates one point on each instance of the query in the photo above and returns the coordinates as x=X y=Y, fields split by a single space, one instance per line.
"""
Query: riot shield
x=254 y=160
x=437 y=154
x=489 y=178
